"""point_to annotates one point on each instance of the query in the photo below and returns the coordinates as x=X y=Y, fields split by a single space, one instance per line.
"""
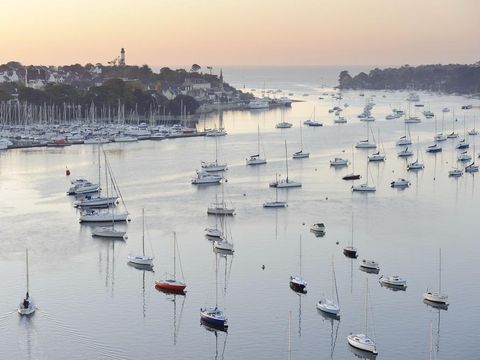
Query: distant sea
x=291 y=78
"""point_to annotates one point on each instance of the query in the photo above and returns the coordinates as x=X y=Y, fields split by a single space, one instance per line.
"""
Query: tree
x=195 y=68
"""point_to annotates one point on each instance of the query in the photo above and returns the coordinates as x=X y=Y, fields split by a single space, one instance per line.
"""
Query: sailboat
x=301 y=154
x=213 y=316
x=405 y=140
x=440 y=136
x=98 y=215
x=171 y=283
x=352 y=176
x=472 y=168
x=109 y=231
x=213 y=166
x=416 y=165
x=327 y=305
x=364 y=187
x=276 y=203
x=362 y=341
x=453 y=134
x=375 y=157
x=222 y=245
x=285 y=183
x=98 y=201
x=437 y=297
x=297 y=282
x=313 y=122
x=143 y=259
x=220 y=208
x=366 y=144
x=256 y=159
x=350 y=251
x=27 y=306
x=473 y=131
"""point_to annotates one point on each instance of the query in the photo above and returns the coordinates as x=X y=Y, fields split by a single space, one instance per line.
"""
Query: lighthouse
x=121 y=61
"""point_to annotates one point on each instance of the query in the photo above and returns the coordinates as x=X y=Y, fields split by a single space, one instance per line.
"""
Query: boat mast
x=366 y=307
x=439 y=271
x=352 y=230
x=258 y=139
x=286 y=158
x=26 y=256
x=300 y=255
x=99 y=169
x=290 y=335
x=276 y=188
x=216 y=280
x=335 y=282
x=174 y=255
x=216 y=150
x=353 y=161
x=301 y=137
x=143 y=231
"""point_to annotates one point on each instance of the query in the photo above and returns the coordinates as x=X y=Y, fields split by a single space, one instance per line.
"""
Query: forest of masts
x=27 y=114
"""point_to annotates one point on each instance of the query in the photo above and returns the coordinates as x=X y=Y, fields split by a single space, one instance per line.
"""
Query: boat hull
x=140 y=260
x=356 y=342
x=171 y=286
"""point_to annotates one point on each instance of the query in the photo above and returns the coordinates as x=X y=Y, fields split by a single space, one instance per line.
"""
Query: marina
x=89 y=282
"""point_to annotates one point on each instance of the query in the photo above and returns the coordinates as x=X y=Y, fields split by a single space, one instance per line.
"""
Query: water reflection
x=172 y=296
x=144 y=269
x=220 y=346
x=334 y=321
x=361 y=354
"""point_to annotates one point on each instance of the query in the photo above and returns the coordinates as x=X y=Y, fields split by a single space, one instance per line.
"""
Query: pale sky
x=240 y=32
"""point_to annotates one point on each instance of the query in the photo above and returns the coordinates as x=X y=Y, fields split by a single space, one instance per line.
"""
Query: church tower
x=221 y=79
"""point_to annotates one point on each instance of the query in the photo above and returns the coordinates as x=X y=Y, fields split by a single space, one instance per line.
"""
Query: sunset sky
x=240 y=32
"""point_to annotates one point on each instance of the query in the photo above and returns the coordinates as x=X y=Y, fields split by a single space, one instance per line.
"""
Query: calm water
x=93 y=305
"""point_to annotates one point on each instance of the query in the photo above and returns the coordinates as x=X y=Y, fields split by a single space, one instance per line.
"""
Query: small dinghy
x=400 y=183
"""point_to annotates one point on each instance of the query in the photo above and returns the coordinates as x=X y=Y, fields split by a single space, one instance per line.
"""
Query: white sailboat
x=301 y=154
x=222 y=245
x=276 y=203
x=256 y=159
x=366 y=144
x=364 y=187
x=27 y=306
x=378 y=156
x=108 y=215
x=213 y=166
x=327 y=305
x=472 y=168
x=437 y=297
x=220 y=208
x=362 y=341
x=143 y=260
x=285 y=183
x=97 y=201
x=416 y=165
x=453 y=134
x=109 y=231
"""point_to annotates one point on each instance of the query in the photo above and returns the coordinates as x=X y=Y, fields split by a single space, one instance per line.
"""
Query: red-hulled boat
x=171 y=284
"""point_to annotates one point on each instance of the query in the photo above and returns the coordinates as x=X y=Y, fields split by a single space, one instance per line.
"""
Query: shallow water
x=93 y=305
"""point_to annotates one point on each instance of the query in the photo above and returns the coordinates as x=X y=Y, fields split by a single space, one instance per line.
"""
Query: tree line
x=453 y=78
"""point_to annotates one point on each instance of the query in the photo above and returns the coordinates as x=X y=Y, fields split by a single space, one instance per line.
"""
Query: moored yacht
x=394 y=281
x=204 y=178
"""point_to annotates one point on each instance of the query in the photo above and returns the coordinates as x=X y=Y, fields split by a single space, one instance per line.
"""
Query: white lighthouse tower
x=121 y=61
